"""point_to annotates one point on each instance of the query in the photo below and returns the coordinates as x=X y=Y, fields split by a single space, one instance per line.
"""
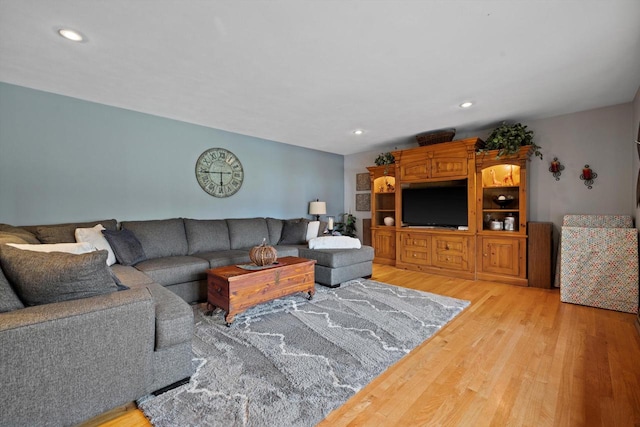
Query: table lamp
x=317 y=208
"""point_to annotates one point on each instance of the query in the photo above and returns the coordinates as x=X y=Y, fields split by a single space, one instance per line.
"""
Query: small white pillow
x=94 y=236
x=312 y=230
x=71 y=248
x=334 y=242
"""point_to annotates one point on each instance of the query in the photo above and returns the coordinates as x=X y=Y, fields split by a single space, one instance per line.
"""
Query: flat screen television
x=436 y=205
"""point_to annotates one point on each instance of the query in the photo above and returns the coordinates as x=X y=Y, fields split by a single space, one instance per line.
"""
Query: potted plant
x=385 y=159
x=508 y=139
x=348 y=227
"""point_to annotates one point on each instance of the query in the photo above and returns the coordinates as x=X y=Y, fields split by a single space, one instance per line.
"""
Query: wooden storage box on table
x=234 y=289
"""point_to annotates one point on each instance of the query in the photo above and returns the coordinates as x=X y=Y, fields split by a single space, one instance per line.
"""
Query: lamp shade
x=317 y=208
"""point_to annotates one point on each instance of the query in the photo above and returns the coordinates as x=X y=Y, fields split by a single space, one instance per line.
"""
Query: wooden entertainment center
x=493 y=244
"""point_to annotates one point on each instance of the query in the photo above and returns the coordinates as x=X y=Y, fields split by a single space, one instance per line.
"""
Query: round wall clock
x=219 y=172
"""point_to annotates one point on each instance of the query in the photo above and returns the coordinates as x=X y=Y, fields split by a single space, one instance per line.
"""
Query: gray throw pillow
x=48 y=277
x=294 y=232
x=9 y=301
x=126 y=247
x=65 y=233
x=20 y=232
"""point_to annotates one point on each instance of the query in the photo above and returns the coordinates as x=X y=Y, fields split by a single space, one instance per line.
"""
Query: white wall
x=601 y=138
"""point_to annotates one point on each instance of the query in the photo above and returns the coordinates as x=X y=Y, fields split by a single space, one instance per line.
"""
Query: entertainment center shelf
x=433 y=193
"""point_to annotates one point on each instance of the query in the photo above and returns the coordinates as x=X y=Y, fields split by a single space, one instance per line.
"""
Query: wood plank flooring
x=516 y=357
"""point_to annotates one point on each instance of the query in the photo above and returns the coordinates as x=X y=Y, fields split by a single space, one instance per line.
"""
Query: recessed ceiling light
x=358 y=132
x=71 y=34
x=466 y=104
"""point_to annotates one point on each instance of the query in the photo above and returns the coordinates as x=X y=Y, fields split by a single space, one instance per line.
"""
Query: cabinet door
x=501 y=255
x=450 y=252
x=415 y=170
x=384 y=244
x=449 y=167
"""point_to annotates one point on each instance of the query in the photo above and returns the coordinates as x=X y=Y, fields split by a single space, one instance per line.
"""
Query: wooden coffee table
x=236 y=289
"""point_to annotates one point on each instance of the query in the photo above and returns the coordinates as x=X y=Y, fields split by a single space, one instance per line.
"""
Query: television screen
x=439 y=206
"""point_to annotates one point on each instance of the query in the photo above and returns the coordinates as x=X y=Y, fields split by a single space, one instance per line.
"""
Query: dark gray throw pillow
x=9 y=301
x=126 y=247
x=47 y=277
x=294 y=232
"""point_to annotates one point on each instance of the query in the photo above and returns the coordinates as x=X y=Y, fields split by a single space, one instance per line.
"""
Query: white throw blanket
x=334 y=242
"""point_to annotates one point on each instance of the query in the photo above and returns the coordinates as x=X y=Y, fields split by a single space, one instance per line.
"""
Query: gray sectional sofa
x=179 y=251
x=67 y=361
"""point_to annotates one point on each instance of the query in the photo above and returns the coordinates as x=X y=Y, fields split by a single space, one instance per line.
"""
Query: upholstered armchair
x=599 y=262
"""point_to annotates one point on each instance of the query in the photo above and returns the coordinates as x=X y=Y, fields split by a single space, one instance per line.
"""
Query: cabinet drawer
x=450 y=252
x=413 y=241
x=414 y=256
x=450 y=260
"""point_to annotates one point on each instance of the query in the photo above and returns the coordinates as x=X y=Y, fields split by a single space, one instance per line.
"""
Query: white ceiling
x=308 y=73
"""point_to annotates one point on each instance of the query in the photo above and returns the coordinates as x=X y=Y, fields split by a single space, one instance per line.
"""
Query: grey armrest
x=75 y=359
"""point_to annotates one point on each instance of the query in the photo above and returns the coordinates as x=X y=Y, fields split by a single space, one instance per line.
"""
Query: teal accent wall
x=64 y=159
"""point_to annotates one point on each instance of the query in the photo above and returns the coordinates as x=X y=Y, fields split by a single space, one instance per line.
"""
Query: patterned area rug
x=291 y=362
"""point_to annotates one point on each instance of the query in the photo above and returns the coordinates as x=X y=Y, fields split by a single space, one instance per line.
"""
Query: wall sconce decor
x=556 y=168
x=588 y=175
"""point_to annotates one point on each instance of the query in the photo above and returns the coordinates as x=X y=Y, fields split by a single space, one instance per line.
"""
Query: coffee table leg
x=210 y=309
x=311 y=292
x=229 y=319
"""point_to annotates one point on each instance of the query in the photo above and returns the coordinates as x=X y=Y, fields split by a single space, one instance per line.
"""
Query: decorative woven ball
x=263 y=254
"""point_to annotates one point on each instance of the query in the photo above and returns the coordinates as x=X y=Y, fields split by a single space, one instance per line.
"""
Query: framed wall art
x=363 y=183
x=363 y=202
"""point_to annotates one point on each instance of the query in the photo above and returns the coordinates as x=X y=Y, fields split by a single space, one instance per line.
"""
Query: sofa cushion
x=125 y=245
x=42 y=278
x=207 y=235
x=160 y=238
x=9 y=301
x=286 y=250
x=65 y=233
x=222 y=258
x=335 y=258
x=174 y=318
x=294 y=232
x=247 y=232
x=174 y=269
x=275 y=230
x=6 y=237
x=25 y=235
x=95 y=237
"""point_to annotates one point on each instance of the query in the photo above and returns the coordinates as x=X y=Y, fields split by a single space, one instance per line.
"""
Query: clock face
x=219 y=172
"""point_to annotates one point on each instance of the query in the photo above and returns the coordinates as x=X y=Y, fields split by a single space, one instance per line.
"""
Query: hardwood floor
x=515 y=357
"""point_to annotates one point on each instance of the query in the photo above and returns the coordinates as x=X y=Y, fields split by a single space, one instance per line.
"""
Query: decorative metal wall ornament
x=588 y=175
x=556 y=168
